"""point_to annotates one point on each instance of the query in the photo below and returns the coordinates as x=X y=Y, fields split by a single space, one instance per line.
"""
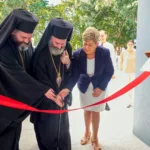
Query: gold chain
x=58 y=73
x=21 y=59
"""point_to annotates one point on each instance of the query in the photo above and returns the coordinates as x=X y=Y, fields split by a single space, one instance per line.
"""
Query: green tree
x=38 y=7
x=117 y=17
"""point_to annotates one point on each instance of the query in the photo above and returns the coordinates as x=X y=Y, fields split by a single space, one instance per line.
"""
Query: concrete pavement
x=115 y=131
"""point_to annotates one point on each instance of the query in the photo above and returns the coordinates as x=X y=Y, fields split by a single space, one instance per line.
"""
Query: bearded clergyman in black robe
x=15 y=81
x=52 y=67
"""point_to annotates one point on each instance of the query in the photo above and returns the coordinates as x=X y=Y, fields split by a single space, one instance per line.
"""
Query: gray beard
x=23 y=47
x=55 y=51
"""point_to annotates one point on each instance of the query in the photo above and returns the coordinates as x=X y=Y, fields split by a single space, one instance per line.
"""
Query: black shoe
x=129 y=106
x=107 y=108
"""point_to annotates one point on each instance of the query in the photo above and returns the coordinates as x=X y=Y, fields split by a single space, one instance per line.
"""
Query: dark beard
x=22 y=46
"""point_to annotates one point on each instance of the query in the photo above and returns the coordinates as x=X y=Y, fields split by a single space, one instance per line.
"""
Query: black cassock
x=52 y=130
x=16 y=83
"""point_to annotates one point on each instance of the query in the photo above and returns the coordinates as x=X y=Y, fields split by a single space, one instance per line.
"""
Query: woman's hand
x=97 y=92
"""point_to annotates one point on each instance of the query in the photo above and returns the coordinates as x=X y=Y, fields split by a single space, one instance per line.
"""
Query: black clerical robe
x=16 y=83
x=52 y=130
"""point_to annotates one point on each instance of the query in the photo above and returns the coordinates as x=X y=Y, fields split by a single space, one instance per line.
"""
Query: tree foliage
x=117 y=17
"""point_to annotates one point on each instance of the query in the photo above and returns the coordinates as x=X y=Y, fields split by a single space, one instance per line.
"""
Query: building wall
x=142 y=93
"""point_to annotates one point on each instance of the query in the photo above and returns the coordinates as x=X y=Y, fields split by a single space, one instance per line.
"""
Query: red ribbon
x=8 y=102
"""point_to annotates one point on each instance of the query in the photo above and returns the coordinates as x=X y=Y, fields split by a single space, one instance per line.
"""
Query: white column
x=142 y=93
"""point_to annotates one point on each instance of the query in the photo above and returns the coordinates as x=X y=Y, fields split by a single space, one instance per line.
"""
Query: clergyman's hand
x=50 y=94
x=65 y=58
x=64 y=92
x=59 y=101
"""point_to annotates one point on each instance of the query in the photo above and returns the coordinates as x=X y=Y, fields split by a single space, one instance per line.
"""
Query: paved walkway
x=115 y=128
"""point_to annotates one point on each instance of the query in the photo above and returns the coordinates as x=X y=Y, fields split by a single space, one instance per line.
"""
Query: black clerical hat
x=58 y=28
x=18 y=19
x=61 y=29
x=26 y=21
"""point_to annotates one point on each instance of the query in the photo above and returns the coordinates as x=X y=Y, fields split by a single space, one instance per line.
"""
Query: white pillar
x=142 y=93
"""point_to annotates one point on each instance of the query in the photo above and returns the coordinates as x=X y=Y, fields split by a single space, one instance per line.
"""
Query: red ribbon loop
x=8 y=102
